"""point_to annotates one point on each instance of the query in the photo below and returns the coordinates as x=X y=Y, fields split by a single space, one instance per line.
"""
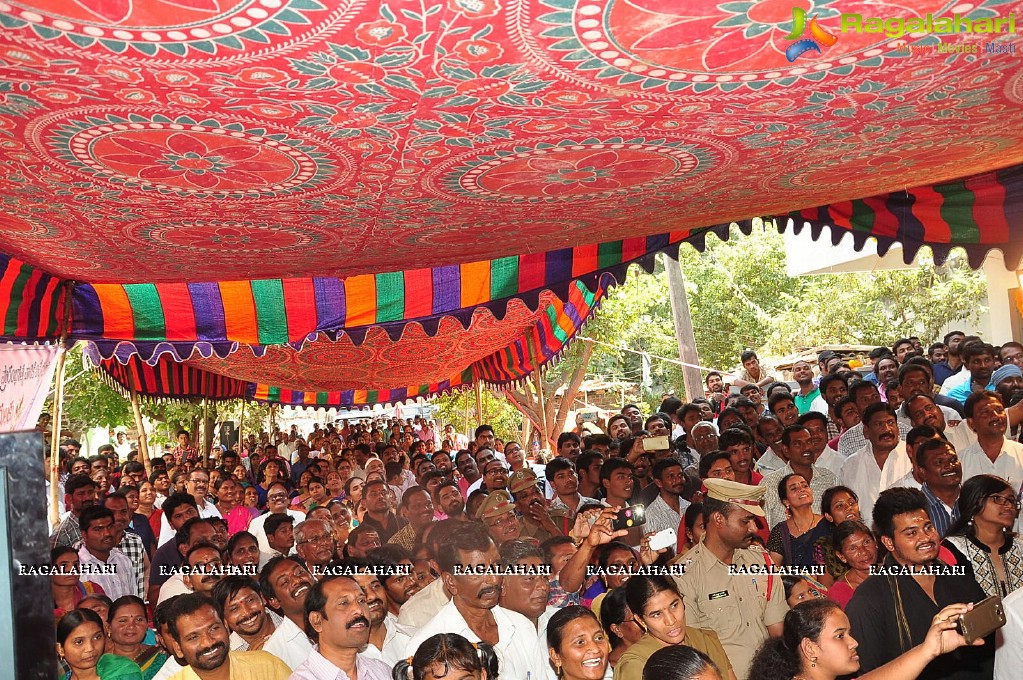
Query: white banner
x=25 y=375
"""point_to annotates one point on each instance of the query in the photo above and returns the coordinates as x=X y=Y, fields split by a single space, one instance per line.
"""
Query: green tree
x=876 y=308
x=89 y=401
x=498 y=412
x=741 y=296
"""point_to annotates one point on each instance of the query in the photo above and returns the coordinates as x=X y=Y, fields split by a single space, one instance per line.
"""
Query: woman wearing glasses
x=982 y=539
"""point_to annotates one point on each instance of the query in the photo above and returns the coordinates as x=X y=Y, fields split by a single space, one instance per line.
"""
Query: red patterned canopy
x=218 y=172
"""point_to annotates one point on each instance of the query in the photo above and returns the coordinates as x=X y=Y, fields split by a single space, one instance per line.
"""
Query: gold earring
x=813 y=662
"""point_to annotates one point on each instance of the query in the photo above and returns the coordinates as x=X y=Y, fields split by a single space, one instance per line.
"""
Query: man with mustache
x=315 y=544
x=205 y=568
x=397 y=574
x=417 y=509
x=447 y=499
x=473 y=611
x=537 y=521
x=337 y=619
x=198 y=635
x=253 y=626
x=801 y=462
x=285 y=583
x=891 y=612
x=922 y=409
x=882 y=462
x=498 y=515
x=382 y=623
x=743 y=608
x=99 y=550
x=979 y=358
x=993 y=453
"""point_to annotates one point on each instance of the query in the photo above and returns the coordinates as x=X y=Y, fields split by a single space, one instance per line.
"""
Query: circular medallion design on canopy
x=236 y=237
x=572 y=170
x=659 y=47
x=19 y=229
x=178 y=27
x=186 y=158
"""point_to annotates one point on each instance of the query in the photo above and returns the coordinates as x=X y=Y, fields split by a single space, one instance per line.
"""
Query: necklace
x=813 y=521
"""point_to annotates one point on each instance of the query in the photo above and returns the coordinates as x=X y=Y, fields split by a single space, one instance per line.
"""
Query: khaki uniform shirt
x=630 y=666
x=739 y=607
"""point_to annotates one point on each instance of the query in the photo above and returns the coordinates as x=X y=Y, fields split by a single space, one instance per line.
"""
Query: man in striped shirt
x=939 y=467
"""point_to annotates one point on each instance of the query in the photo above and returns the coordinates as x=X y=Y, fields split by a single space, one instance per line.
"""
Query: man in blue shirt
x=979 y=359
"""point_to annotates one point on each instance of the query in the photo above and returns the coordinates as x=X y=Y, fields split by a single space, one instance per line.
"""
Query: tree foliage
x=497 y=412
x=740 y=296
x=88 y=400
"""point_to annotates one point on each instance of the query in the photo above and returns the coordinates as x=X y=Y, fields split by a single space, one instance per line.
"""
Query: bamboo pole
x=479 y=403
x=544 y=425
x=140 y=426
x=58 y=409
x=241 y=429
x=684 y=335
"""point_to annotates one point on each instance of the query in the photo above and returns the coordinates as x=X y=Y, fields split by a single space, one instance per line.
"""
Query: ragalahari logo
x=819 y=36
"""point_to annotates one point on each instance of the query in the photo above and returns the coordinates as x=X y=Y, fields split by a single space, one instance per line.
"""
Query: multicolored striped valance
x=976 y=214
x=171 y=380
x=279 y=311
x=31 y=302
x=355 y=398
x=496 y=351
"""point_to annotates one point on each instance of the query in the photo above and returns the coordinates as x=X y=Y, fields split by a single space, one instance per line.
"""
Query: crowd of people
x=840 y=526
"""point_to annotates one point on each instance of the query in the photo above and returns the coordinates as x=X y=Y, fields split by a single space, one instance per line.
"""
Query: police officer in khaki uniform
x=498 y=514
x=538 y=521
x=743 y=608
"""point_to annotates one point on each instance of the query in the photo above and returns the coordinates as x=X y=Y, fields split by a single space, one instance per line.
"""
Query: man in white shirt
x=102 y=563
x=253 y=626
x=197 y=486
x=993 y=453
x=881 y=462
x=1009 y=654
x=337 y=620
x=852 y=440
x=824 y=456
x=474 y=610
x=277 y=503
x=922 y=410
x=382 y=623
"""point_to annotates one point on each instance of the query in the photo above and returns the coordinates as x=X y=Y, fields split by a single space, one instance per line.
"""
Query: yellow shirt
x=254 y=665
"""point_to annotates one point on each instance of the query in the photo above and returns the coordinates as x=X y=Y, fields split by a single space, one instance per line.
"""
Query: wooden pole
x=544 y=426
x=479 y=403
x=58 y=408
x=136 y=409
x=241 y=429
x=683 y=329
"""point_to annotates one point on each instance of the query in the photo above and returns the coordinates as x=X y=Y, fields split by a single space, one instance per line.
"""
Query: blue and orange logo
x=818 y=36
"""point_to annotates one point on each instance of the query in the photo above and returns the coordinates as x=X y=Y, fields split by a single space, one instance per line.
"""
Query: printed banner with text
x=25 y=375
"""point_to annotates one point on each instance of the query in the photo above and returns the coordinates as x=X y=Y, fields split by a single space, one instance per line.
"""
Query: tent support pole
x=58 y=409
x=241 y=429
x=544 y=428
x=140 y=426
x=479 y=403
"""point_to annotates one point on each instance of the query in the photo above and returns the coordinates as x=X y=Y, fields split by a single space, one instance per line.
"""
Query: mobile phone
x=655 y=444
x=665 y=538
x=986 y=617
x=632 y=516
x=588 y=416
